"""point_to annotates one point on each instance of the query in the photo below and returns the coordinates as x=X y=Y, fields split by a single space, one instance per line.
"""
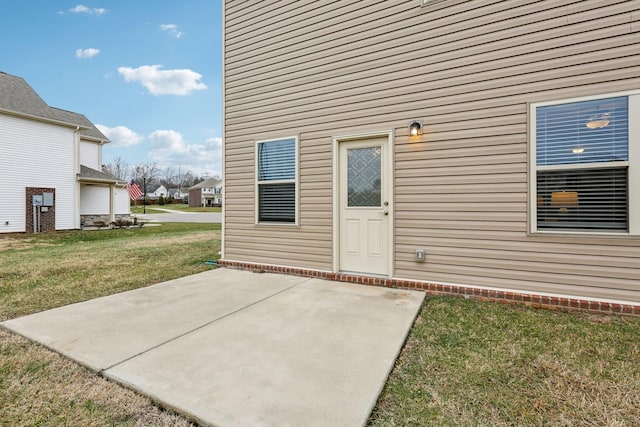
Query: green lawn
x=470 y=363
x=39 y=387
x=465 y=362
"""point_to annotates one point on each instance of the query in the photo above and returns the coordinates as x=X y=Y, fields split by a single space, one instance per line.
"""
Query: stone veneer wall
x=90 y=220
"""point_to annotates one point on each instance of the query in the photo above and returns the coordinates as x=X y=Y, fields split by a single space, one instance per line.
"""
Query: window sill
x=276 y=225
x=590 y=234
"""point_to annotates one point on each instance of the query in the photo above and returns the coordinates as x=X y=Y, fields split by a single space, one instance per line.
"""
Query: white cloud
x=90 y=11
x=87 y=53
x=163 y=82
x=171 y=29
x=168 y=148
x=120 y=136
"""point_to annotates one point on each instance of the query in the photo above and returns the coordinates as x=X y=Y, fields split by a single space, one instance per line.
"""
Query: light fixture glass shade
x=415 y=128
x=598 y=121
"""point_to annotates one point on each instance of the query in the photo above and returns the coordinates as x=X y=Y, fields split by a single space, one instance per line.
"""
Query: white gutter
x=43 y=119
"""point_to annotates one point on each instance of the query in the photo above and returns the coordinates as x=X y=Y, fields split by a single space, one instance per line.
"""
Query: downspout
x=76 y=143
x=100 y=154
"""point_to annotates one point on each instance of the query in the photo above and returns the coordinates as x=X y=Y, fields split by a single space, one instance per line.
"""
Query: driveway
x=178 y=216
x=236 y=348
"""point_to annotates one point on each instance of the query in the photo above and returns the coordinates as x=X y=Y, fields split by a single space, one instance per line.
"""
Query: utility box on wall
x=47 y=199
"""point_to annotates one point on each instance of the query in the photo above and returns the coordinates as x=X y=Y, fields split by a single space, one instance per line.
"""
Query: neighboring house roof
x=207 y=183
x=91 y=175
x=17 y=97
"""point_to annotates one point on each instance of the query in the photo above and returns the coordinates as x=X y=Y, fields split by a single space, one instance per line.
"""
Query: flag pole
x=144 y=200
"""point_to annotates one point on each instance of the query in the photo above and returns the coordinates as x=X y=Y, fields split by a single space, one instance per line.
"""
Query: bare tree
x=184 y=178
x=146 y=172
x=169 y=177
x=118 y=168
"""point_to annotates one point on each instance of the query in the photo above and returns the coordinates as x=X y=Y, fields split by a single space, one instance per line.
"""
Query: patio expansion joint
x=204 y=325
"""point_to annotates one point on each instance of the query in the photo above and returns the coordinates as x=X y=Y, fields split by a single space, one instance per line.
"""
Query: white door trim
x=336 y=193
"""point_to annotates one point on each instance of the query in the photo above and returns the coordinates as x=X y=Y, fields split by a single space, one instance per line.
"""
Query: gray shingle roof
x=207 y=183
x=89 y=174
x=16 y=96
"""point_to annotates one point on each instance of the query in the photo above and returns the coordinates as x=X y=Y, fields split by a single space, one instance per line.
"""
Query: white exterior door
x=364 y=245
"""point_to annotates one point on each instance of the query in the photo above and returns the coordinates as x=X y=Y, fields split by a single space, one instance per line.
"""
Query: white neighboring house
x=160 y=191
x=180 y=195
x=51 y=174
x=166 y=193
x=217 y=194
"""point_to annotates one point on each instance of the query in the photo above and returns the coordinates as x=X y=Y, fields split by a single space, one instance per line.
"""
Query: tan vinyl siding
x=468 y=70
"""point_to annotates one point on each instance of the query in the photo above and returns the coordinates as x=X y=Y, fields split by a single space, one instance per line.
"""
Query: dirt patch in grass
x=21 y=243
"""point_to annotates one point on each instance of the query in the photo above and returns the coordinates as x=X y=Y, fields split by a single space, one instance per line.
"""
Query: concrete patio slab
x=263 y=349
x=105 y=331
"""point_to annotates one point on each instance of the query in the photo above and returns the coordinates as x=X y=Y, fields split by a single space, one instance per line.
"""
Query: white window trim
x=296 y=182
x=633 y=165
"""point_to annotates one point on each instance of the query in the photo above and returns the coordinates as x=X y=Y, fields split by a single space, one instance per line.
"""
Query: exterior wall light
x=415 y=128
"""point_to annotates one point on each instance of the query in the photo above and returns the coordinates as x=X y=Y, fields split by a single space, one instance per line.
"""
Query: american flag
x=134 y=190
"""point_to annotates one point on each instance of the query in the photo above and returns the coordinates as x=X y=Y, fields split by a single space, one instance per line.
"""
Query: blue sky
x=147 y=73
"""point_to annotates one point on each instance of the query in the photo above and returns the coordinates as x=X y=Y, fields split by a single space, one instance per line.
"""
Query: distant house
x=166 y=193
x=51 y=174
x=204 y=193
x=480 y=148
x=160 y=191
x=179 y=195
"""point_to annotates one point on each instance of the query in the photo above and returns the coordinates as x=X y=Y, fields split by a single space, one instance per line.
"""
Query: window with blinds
x=276 y=181
x=582 y=165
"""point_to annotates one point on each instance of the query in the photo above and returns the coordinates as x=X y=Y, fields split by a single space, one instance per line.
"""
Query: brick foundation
x=503 y=296
x=48 y=218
